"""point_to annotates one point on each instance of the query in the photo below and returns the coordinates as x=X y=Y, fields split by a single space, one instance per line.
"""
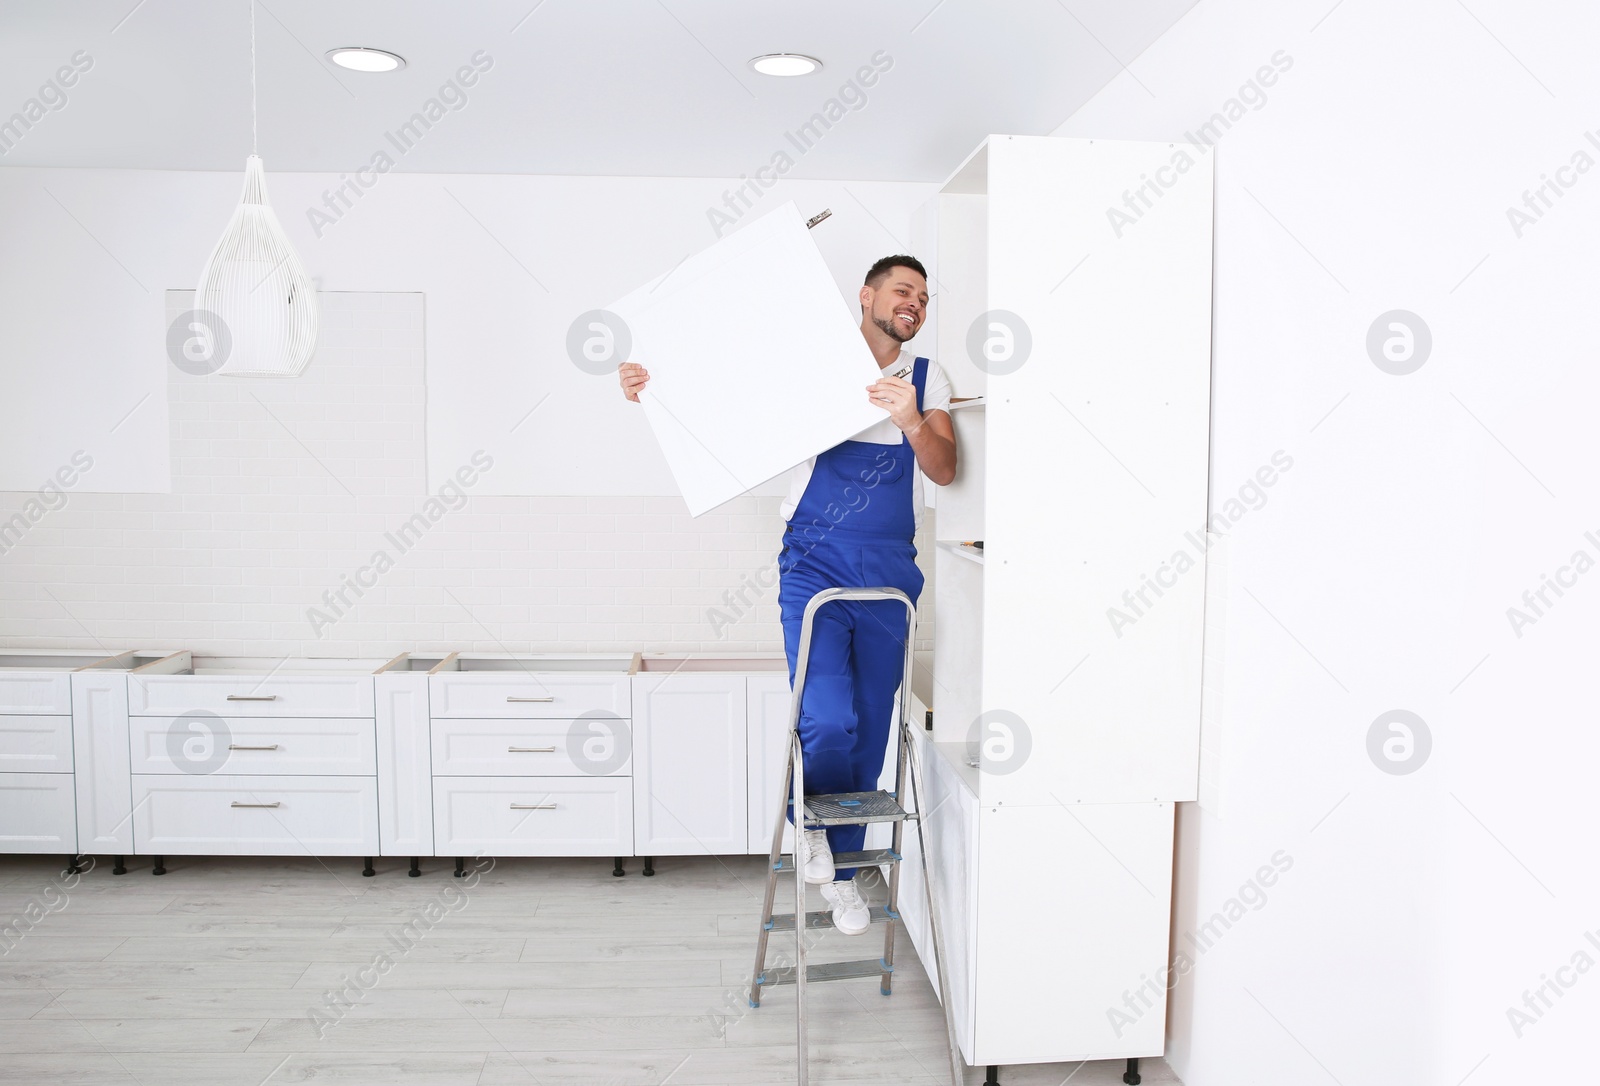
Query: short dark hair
x=880 y=269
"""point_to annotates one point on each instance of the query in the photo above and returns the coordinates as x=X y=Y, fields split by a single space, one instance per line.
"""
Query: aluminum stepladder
x=850 y=808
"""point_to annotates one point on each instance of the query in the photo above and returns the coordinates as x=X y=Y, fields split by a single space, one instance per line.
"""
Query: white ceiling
x=626 y=87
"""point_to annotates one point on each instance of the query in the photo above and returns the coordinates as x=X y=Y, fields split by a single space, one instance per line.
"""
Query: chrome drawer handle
x=530 y=750
x=510 y=697
x=236 y=746
x=274 y=803
x=533 y=806
x=252 y=697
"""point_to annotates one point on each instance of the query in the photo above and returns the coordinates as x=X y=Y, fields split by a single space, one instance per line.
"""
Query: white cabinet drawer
x=251 y=695
x=35 y=744
x=519 y=694
x=290 y=745
x=248 y=815
x=531 y=748
x=37 y=813
x=533 y=816
x=47 y=693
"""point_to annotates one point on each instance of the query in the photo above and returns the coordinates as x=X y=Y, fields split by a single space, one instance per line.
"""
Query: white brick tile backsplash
x=284 y=490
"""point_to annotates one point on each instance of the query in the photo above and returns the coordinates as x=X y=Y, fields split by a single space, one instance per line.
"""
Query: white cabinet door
x=533 y=816
x=405 y=769
x=525 y=694
x=46 y=692
x=35 y=744
x=100 y=756
x=689 y=768
x=36 y=813
x=238 y=815
x=251 y=695
x=592 y=746
x=767 y=712
x=295 y=746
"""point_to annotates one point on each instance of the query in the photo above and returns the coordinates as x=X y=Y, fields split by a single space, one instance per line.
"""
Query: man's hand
x=899 y=398
x=633 y=378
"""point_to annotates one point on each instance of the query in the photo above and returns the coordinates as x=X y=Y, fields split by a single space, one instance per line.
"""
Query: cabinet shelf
x=965 y=550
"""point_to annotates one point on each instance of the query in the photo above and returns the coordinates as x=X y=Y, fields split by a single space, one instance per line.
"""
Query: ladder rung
x=823 y=918
x=865 y=967
x=870 y=858
x=852 y=809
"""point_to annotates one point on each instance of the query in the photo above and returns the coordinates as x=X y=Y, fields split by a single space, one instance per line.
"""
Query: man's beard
x=894 y=329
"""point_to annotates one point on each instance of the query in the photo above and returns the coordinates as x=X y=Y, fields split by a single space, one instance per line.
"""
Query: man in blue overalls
x=852 y=512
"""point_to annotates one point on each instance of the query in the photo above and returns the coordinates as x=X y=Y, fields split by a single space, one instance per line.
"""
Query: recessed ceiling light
x=361 y=59
x=785 y=64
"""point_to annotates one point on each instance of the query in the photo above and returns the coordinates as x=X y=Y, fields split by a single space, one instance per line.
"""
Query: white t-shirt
x=935 y=397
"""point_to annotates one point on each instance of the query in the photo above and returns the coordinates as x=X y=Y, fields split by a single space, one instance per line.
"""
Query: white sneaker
x=818 y=857
x=850 y=915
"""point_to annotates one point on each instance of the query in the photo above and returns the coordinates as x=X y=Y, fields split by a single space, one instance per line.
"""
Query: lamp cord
x=254 y=138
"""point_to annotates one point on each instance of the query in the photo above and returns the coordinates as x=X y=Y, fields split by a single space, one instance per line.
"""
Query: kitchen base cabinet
x=255 y=815
x=531 y=755
x=1106 y=871
x=533 y=816
x=64 y=751
x=253 y=756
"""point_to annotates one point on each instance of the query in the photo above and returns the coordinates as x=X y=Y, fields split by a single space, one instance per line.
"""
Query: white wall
x=575 y=540
x=1375 y=174
x=266 y=547
x=506 y=262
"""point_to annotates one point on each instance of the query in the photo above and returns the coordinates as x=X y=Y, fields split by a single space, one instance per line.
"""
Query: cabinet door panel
x=239 y=815
x=43 y=692
x=527 y=694
x=405 y=768
x=251 y=695
x=331 y=746
x=36 y=813
x=35 y=744
x=532 y=748
x=689 y=778
x=533 y=816
x=100 y=761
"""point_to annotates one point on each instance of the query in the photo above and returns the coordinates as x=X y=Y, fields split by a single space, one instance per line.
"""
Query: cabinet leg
x=1131 y=1075
x=416 y=868
x=159 y=866
x=117 y=866
x=649 y=865
x=366 y=867
x=992 y=1078
x=72 y=866
x=461 y=867
x=616 y=866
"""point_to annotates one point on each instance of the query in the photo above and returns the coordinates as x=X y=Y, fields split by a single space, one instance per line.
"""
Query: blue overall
x=853 y=528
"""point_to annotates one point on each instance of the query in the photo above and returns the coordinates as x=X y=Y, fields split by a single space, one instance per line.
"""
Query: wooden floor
x=540 y=972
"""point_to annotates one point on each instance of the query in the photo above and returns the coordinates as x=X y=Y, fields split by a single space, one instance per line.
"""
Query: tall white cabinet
x=1066 y=718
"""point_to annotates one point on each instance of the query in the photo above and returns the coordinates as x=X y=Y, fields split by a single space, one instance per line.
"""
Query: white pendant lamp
x=254 y=281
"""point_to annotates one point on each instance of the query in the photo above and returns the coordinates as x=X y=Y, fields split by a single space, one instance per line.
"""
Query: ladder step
x=870 y=858
x=865 y=967
x=823 y=918
x=852 y=809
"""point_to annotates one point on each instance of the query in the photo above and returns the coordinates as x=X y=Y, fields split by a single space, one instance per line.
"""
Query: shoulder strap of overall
x=919 y=377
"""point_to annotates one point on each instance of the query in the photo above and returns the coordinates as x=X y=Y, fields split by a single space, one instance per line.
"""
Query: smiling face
x=898 y=304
